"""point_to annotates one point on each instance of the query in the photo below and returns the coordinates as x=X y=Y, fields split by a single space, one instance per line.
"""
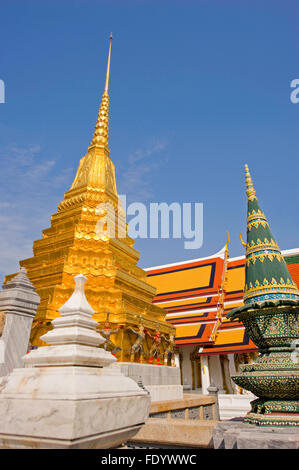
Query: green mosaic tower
x=270 y=316
x=267 y=275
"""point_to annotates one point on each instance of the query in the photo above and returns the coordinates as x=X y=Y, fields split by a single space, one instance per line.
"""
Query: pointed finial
x=20 y=279
x=228 y=239
x=100 y=136
x=77 y=301
x=108 y=66
x=250 y=189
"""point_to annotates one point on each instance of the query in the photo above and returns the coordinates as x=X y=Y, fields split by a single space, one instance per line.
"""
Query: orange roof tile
x=189 y=293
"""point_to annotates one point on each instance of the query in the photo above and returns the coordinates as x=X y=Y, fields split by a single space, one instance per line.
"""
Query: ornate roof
x=189 y=293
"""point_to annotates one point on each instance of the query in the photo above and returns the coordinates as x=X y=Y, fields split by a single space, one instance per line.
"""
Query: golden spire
x=108 y=66
x=100 y=136
x=250 y=189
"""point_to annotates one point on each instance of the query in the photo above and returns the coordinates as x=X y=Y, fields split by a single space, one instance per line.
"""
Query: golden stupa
x=78 y=241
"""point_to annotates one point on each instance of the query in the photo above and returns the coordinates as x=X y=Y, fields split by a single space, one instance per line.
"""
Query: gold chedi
x=78 y=241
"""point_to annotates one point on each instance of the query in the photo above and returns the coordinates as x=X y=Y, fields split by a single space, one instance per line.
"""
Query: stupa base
x=272 y=420
x=106 y=440
x=276 y=385
x=32 y=419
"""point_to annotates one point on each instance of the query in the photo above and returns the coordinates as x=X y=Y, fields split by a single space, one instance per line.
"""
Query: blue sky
x=197 y=89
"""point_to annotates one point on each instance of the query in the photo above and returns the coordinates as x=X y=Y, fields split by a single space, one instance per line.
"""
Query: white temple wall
x=205 y=374
x=186 y=366
x=212 y=369
x=216 y=372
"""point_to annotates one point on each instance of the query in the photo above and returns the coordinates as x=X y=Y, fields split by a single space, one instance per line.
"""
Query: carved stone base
x=109 y=440
x=70 y=424
x=236 y=434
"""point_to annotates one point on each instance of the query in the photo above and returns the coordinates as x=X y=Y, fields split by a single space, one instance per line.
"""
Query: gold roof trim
x=256 y=215
x=259 y=245
x=261 y=257
x=256 y=223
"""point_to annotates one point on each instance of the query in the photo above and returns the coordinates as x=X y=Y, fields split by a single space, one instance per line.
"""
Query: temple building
x=197 y=294
x=81 y=240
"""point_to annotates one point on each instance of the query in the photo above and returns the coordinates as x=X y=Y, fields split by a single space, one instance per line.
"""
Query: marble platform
x=235 y=434
x=234 y=405
x=162 y=382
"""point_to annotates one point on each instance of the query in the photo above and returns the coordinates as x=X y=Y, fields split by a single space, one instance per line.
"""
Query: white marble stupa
x=71 y=394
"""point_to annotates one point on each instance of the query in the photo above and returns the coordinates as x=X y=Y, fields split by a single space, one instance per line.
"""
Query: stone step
x=175 y=432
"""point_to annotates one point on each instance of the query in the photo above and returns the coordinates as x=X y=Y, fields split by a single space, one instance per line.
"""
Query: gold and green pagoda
x=79 y=241
x=270 y=315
